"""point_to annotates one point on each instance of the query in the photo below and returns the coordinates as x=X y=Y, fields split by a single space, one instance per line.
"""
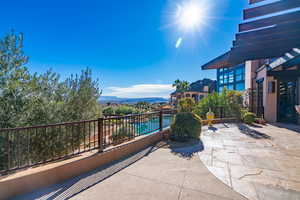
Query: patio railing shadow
x=252 y=133
x=71 y=187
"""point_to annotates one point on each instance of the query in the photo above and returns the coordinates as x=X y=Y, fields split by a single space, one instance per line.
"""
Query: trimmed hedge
x=186 y=126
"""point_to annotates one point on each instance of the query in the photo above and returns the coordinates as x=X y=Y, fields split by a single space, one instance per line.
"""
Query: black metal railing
x=35 y=145
x=221 y=112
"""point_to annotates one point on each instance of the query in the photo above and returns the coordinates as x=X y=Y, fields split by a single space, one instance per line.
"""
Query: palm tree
x=181 y=86
x=185 y=86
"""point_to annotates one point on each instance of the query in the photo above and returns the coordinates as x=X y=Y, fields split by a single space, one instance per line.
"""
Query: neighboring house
x=197 y=91
x=265 y=57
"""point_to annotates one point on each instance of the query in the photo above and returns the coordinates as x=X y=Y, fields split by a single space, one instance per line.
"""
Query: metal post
x=8 y=151
x=100 y=134
x=161 y=120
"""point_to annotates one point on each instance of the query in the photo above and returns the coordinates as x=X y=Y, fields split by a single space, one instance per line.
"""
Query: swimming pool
x=152 y=125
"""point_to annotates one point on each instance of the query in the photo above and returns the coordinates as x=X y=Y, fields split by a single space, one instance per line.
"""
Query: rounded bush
x=249 y=117
x=186 y=126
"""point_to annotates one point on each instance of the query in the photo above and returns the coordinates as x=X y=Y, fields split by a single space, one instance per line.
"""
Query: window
x=220 y=89
x=240 y=86
x=230 y=87
x=233 y=78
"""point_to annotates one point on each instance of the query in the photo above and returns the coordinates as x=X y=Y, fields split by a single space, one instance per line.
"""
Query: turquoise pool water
x=152 y=125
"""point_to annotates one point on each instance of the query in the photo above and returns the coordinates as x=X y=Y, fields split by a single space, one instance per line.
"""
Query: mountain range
x=114 y=99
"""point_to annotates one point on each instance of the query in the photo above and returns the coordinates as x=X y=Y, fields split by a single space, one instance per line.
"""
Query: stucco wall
x=250 y=68
x=269 y=99
x=43 y=176
x=271 y=102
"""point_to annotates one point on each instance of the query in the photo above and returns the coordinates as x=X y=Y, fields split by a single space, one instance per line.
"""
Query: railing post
x=221 y=112
x=161 y=120
x=100 y=134
x=8 y=151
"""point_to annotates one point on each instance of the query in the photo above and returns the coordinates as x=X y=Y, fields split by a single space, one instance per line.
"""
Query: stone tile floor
x=163 y=172
x=259 y=162
x=238 y=161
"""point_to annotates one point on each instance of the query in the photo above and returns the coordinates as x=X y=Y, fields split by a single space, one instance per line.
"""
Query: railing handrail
x=48 y=125
x=130 y=115
x=22 y=145
x=77 y=122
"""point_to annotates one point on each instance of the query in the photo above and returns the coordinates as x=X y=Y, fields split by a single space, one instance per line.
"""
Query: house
x=197 y=91
x=268 y=48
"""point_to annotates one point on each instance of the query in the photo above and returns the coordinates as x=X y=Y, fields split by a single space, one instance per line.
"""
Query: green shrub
x=108 y=111
x=231 y=103
x=123 y=134
x=249 y=118
x=126 y=110
x=186 y=104
x=185 y=126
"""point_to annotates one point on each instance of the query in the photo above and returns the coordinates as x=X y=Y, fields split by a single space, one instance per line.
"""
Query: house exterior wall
x=271 y=102
x=269 y=99
x=196 y=95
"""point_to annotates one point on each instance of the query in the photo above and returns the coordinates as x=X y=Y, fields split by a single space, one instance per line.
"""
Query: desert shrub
x=234 y=103
x=231 y=103
x=186 y=104
x=123 y=134
x=108 y=111
x=212 y=101
x=185 y=126
x=249 y=118
x=126 y=110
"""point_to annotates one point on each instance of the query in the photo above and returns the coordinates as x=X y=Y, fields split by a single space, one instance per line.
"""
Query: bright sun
x=190 y=15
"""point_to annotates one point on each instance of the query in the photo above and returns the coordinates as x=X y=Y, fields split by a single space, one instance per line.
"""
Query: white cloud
x=140 y=91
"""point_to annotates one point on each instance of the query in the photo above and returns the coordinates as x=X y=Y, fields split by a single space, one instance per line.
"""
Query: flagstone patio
x=238 y=161
x=166 y=171
x=260 y=162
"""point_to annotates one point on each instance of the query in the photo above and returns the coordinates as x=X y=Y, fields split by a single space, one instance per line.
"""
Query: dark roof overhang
x=262 y=38
x=219 y=62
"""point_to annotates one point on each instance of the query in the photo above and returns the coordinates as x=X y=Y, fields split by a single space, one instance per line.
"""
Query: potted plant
x=210 y=116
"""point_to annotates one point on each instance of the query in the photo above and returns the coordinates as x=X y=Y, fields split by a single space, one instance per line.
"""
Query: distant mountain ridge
x=113 y=99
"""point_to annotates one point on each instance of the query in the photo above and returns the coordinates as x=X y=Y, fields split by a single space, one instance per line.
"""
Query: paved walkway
x=166 y=172
x=260 y=162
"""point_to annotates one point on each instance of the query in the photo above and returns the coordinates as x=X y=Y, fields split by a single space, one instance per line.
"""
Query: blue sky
x=130 y=45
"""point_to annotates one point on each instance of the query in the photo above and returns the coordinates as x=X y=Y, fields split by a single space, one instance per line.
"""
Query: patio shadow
x=252 y=133
x=186 y=149
x=71 y=187
x=291 y=127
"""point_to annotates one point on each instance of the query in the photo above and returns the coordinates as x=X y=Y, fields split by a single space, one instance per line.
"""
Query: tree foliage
x=126 y=110
x=228 y=102
x=186 y=104
x=181 y=86
x=35 y=99
x=27 y=99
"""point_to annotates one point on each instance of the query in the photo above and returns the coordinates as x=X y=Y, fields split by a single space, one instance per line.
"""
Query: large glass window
x=230 y=87
x=233 y=78
x=240 y=86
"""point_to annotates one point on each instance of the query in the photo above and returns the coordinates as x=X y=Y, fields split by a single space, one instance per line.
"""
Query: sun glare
x=190 y=15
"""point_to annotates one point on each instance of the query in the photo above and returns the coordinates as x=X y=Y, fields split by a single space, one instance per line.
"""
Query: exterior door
x=260 y=99
x=287 y=101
